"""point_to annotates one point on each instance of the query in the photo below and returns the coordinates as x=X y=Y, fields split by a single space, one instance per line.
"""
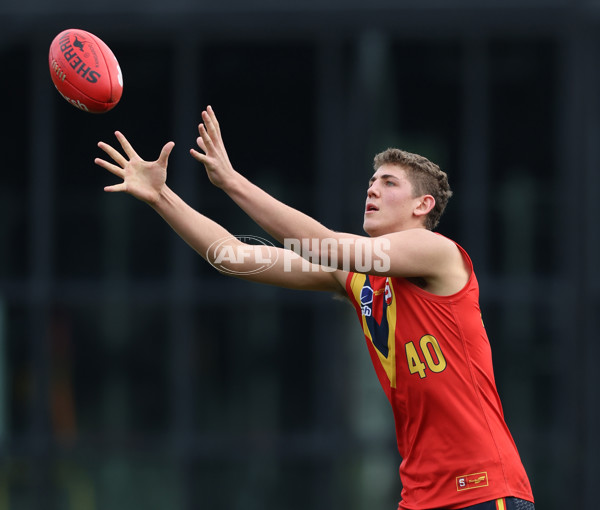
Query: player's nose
x=372 y=191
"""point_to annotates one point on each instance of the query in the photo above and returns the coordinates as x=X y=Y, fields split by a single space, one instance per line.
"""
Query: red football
x=85 y=71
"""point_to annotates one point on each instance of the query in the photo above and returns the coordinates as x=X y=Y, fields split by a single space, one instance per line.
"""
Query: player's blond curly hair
x=426 y=178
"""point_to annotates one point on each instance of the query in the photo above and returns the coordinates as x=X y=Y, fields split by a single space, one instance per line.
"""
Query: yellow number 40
x=416 y=366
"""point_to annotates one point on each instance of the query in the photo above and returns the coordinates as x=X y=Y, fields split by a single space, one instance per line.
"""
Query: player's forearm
x=298 y=231
x=278 y=219
x=195 y=229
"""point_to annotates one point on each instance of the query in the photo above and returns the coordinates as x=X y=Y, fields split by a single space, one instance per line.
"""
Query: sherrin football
x=85 y=71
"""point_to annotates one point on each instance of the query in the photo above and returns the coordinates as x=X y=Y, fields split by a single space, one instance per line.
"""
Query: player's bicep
x=414 y=253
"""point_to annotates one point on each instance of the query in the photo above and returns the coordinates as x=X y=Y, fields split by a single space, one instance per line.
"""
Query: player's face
x=390 y=202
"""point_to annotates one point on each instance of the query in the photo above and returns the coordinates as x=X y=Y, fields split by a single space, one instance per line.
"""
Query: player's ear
x=425 y=205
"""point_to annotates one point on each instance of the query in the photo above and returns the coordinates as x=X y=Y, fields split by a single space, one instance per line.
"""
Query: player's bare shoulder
x=453 y=271
x=421 y=247
x=432 y=261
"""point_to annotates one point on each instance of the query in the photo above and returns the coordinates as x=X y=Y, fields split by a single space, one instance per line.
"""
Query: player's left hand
x=214 y=156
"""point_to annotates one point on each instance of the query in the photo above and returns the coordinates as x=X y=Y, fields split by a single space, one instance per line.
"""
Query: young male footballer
x=417 y=301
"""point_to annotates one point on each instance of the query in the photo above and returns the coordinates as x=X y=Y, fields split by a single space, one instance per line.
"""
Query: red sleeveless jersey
x=433 y=359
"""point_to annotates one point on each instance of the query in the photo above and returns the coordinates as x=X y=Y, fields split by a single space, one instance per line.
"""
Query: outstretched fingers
x=205 y=142
x=163 y=159
x=116 y=188
x=113 y=153
x=211 y=125
x=212 y=118
x=200 y=142
x=111 y=167
x=198 y=156
x=126 y=145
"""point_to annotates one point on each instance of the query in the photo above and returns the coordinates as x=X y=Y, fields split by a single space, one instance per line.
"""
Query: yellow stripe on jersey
x=500 y=504
x=388 y=363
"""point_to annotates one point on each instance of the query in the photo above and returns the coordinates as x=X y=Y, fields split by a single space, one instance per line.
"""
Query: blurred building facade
x=133 y=375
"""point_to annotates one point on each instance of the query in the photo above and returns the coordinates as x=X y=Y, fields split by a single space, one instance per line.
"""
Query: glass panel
x=522 y=159
x=99 y=234
x=14 y=203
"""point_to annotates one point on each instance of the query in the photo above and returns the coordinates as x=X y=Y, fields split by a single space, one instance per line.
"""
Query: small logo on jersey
x=366 y=298
x=473 y=481
x=388 y=292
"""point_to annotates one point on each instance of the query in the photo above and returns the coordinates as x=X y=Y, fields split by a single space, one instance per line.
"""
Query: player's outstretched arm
x=146 y=181
x=280 y=220
x=284 y=223
x=413 y=252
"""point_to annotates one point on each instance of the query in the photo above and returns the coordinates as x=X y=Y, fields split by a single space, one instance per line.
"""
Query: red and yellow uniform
x=433 y=359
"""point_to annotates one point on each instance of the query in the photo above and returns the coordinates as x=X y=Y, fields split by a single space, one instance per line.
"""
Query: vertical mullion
x=590 y=252
x=370 y=120
x=328 y=208
x=41 y=217
x=181 y=317
x=475 y=152
x=567 y=304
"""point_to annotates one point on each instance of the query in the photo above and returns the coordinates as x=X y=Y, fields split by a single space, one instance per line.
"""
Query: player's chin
x=369 y=227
